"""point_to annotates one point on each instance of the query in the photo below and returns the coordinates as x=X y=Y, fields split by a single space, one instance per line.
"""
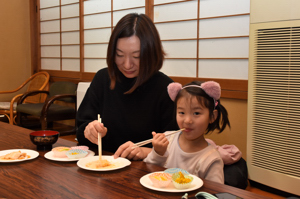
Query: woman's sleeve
x=88 y=110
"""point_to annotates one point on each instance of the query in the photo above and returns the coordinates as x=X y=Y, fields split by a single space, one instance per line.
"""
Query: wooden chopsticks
x=142 y=143
x=99 y=140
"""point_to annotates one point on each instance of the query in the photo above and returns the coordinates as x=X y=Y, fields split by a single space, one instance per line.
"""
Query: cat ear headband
x=211 y=88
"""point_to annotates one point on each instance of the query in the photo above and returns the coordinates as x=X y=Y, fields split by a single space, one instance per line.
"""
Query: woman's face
x=128 y=56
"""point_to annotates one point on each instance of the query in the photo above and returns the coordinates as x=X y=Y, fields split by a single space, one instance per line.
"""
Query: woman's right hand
x=92 y=129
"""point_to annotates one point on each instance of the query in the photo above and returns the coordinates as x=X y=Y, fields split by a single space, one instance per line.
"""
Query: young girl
x=198 y=112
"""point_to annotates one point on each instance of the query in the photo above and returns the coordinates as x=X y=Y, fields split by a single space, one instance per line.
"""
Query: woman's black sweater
x=128 y=117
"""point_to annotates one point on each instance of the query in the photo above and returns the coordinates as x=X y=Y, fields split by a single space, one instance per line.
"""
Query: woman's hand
x=160 y=143
x=92 y=129
x=126 y=151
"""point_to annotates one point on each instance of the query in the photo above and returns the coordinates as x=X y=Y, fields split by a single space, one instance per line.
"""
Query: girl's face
x=192 y=116
x=128 y=56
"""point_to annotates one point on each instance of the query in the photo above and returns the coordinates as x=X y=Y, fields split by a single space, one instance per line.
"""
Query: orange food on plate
x=98 y=164
x=181 y=181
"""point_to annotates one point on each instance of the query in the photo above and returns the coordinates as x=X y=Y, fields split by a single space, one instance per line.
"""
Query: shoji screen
x=61 y=31
x=177 y=25
x=59 y=35
x=99 y=19
x=205 y=38
x=202 y=38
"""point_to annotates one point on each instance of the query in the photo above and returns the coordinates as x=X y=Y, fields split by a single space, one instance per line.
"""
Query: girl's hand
x=92 y=129
x=160 y=143
x=126 y=151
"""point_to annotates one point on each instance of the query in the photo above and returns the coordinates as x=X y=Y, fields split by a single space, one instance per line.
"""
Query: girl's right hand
x=92 y=129
x=160 y=143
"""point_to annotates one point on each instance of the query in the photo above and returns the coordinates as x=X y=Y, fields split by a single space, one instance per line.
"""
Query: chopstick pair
x=142 y=143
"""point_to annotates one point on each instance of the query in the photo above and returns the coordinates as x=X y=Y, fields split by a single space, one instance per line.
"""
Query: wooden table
x=43 y=178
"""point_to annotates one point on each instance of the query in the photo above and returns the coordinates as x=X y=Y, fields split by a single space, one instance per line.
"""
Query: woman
x=131 y=94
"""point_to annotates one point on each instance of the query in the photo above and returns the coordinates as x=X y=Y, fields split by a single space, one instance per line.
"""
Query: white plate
x=49 y=156
x=146 y=182
x=33 y=154
x=118 y=163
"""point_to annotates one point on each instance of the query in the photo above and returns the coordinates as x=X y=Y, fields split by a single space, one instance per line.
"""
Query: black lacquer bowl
x=44 y=139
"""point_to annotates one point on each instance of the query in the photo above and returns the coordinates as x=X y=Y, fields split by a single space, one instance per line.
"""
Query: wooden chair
x=38 y=81
x=51 y=110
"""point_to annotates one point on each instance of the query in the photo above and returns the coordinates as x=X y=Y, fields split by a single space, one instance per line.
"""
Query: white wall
x=274 y=10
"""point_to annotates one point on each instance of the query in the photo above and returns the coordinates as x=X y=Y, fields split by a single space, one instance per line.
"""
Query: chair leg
x=43 y=123
x=12 y=119
x=7 y=117
x=18 y=119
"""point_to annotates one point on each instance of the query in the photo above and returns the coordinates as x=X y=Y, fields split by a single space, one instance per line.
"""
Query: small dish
x=31 y=154
x=76 y=153
x=146 y=182
x=49 y=156
x=117 y=163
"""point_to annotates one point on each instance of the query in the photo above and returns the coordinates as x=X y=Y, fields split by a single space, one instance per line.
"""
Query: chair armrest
x=12 y=91
x=15 y=90
x=58 y=97
x=50 y=101
x=30 y=93
x=5 y=92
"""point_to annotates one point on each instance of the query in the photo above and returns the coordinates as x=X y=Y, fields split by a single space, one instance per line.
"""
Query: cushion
x=236 y=174
x=6 y=105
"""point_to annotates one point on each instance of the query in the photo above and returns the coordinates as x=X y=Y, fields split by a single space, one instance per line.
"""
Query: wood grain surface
x=43 y=178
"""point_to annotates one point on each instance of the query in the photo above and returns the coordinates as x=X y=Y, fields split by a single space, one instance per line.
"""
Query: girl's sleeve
x=154 y=158
x=215 y=171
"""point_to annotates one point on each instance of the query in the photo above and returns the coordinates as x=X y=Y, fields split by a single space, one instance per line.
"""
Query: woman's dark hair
x=205 y=100
x=151 y=52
